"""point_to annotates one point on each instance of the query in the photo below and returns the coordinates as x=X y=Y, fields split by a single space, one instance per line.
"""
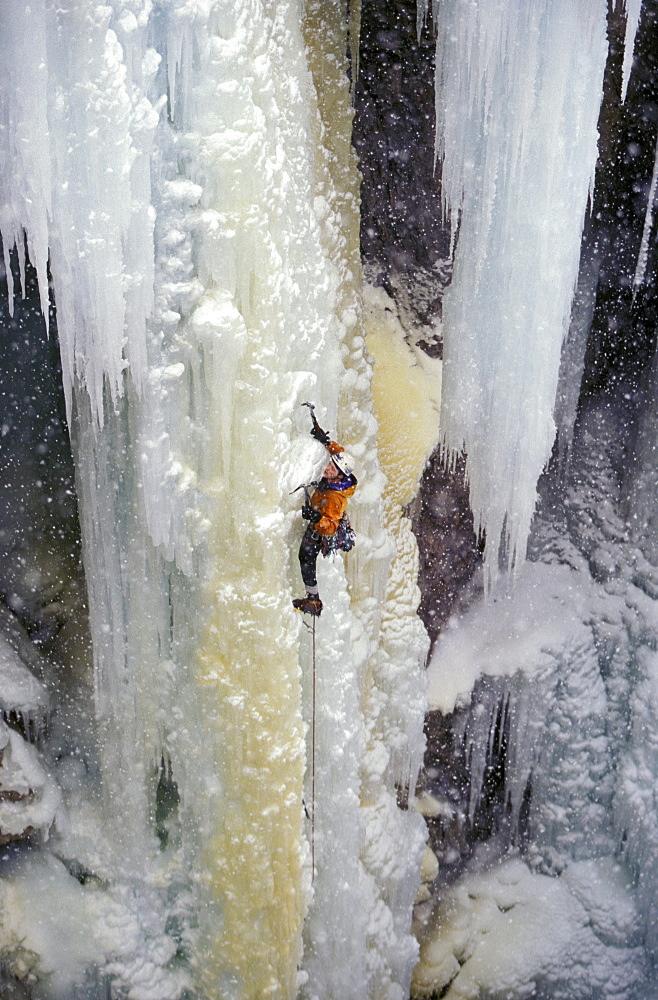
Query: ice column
x=518 y=91
x=643 y=255
x=575 y=345
x=370 y=679
x=169 y=153
x=633 y=9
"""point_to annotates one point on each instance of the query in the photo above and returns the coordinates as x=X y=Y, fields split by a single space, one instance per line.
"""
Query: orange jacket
x=331 y=503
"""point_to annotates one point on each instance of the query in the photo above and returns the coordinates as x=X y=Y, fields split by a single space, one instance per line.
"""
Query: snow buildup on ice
x=516 y=632
x=518 y=91
x=21 y=693
x=84 y=938
x=511 y=932
x=29 y=798
x=26 y=679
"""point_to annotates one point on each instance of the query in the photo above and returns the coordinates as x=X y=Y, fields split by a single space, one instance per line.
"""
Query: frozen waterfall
x=201 y=796
x=181 y=177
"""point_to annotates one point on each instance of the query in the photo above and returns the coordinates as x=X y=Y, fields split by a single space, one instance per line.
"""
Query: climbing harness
x=342 y=539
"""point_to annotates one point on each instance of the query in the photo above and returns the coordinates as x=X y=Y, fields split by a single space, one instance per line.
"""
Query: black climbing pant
x=308 y=556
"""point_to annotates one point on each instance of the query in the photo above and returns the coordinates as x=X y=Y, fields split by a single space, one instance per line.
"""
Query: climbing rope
x=313 y=766
x=311 y=816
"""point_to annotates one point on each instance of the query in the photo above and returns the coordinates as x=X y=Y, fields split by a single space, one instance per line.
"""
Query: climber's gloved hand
x=311 y=514
x=320 y=435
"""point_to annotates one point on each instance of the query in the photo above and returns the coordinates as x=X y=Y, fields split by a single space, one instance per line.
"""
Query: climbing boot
x=308 y=605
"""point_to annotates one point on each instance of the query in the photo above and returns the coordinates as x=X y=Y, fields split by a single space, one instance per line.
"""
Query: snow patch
x=517 y=629
x=513 y=933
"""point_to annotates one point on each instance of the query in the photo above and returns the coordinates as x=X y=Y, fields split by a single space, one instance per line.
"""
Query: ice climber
x=328 y=529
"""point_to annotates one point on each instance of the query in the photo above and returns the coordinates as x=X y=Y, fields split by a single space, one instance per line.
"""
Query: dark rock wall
x=449 y=553
x=401 y=226
x=622 y=337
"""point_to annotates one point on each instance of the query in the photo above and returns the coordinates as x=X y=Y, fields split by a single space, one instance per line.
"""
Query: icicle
x=518 y=91
x=478 y=736
x=422 y=7
x=25 y=167
x=6 y=253
x=573 y=353
x=354 y=38
x=643 y=255
x=633 y=8
x=75 y=142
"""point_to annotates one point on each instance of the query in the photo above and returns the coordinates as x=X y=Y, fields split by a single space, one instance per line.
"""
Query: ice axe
x=307 y=490
x=317 y=431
